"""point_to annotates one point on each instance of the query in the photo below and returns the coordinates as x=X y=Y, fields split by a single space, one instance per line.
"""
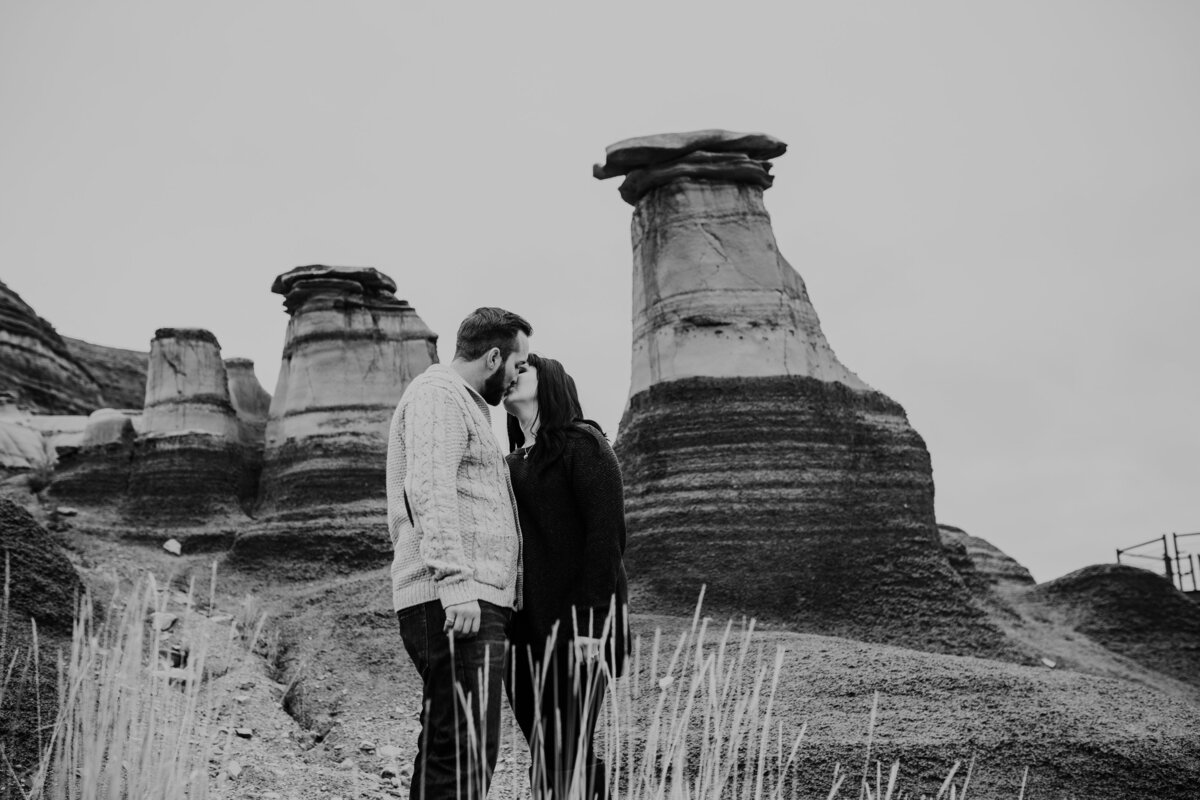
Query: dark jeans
x=460 y=734
x=557 y=705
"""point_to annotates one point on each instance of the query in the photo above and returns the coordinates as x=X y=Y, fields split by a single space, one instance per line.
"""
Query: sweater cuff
x=451 y=594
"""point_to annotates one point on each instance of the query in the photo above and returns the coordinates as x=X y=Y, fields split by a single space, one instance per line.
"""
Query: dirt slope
x=1130 y=611
x=335 y=690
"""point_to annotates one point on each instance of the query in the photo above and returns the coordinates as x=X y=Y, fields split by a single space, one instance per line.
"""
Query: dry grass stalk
x=129 y=724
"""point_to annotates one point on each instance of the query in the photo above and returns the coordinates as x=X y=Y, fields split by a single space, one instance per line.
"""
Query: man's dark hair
x=485 y=328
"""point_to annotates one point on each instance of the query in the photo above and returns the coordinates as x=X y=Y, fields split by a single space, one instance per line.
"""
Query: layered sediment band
x=187 y=478
x=36 y=365
x=792 y=499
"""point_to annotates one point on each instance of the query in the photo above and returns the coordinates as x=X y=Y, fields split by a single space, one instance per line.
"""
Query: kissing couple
x=507 y=572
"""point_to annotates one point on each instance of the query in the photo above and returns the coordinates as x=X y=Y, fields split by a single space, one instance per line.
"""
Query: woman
x=570 y=634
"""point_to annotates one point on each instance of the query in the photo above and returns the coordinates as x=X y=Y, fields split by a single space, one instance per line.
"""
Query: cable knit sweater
x=466 y=541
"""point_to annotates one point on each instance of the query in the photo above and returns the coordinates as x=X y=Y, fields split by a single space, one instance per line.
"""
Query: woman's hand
x=587 y=648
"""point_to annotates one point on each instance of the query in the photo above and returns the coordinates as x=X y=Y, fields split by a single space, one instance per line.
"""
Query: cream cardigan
x=466 y=542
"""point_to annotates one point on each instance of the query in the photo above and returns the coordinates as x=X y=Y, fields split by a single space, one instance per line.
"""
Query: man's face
x=505 y=375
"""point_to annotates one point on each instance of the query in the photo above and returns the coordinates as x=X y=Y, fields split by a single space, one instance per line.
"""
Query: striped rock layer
x=251 y=403
x=120 y=373
x=36 y=365
x=350 y=350
x=53 y=374
x=981 y=564
x=755 y=463
x=96 y=470
x=187 y=462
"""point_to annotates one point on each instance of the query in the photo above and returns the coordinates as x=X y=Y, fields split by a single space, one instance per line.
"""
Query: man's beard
x=493 y=387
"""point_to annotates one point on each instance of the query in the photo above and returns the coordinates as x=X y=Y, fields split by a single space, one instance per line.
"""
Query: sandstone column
x=350 y=350
x=754 y=461
x=249 y=399
x=187 y=462
x=252 y=405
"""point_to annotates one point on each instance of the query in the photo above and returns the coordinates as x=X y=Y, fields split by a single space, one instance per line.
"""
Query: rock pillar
x=187 y=462
x=350 y=350
x=755 y=462
x=252 y=404
x=249 y=399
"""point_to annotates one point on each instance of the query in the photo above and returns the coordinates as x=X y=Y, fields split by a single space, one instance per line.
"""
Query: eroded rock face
x=43 y=585
x=754 y=461
x=712 y=294
x=979 y=558
x=252 y=405
x=250 y=400
x=36 y=365
x=96 y=470
x=27 y=441
x=187 y=388
x=120 y=373
x=43 y=588
x=350 y=350
x=187 y=463
x=22 y=449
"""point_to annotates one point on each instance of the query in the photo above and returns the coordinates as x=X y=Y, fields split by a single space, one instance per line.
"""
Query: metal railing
x=1177 y=564
x=1185 y=562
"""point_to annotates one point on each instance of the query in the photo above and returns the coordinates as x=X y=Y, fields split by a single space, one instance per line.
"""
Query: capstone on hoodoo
x=755 y=462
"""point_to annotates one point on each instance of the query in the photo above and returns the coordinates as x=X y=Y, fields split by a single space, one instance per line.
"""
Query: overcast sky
x=995 y=206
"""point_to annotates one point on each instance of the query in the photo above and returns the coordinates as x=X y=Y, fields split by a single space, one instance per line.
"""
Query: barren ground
x=329 y=691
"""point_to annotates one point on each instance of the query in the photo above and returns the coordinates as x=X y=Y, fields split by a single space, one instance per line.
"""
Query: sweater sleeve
x=436 y=432
x=600 y=497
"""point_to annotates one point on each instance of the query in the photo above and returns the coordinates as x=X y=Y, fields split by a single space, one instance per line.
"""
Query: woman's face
x=524 y=390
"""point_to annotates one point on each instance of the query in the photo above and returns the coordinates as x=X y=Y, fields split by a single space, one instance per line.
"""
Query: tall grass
x=695 y=718
x=129 y=724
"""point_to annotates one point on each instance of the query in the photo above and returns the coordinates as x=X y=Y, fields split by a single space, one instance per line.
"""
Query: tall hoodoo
x=187 y=462
x=350 y=350
x=755 y=462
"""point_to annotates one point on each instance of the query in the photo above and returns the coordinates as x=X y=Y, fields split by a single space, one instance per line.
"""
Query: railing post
x=1192 y=559
x=1118 y=555
x=1167 y=561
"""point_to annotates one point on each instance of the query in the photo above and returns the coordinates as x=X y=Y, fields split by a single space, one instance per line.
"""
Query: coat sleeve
x=600 y=497
x=436 y=432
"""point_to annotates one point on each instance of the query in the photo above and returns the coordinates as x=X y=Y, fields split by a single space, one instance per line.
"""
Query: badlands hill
x=51 y=374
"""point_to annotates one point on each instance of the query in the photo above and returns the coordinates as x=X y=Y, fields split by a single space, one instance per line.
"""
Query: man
x=457 y=566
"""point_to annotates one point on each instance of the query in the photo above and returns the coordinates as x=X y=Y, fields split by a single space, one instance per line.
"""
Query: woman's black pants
x=556 y=700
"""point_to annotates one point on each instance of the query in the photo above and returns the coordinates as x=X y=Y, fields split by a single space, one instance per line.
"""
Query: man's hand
x=462 y=619
x=587 y=648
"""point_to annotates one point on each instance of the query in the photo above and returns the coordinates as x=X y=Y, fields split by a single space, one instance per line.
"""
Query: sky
x=995 y=206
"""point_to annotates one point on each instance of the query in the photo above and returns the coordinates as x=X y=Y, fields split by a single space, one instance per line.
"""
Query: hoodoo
x=252 y=405
x=755 y=462
x=250 y=400
x=350 y=350
x=188 y=460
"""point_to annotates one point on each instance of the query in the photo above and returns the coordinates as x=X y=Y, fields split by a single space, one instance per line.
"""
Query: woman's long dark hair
x=558 y=411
